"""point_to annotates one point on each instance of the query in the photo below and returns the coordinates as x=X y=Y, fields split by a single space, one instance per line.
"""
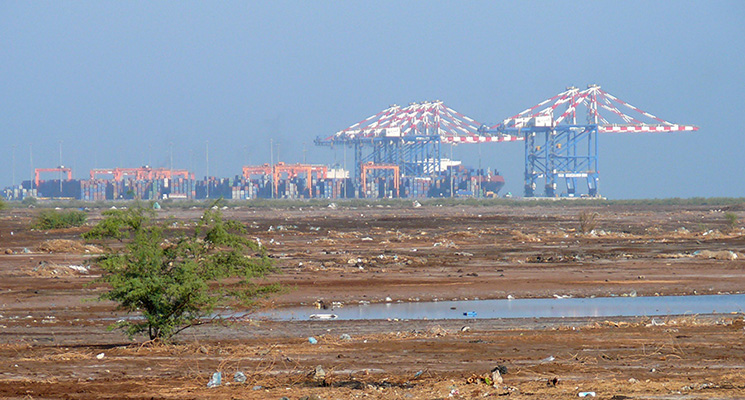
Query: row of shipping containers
x=18 y=193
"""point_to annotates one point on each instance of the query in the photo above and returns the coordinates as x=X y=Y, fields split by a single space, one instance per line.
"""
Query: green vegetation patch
x=53 y=219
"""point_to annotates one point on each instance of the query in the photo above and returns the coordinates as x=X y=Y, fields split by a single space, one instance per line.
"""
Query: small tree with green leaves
x=180 y=281
x=731 y=219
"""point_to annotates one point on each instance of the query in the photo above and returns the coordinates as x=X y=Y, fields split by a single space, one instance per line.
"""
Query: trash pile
x=68 y=246
x=493 y=378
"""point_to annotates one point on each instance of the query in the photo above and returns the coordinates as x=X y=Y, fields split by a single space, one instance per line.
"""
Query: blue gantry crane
x=560 y=148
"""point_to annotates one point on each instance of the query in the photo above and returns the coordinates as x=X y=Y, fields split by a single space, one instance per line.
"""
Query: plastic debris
x=319 y=374
x=496 y=377
x=312 y=340
x=470 y=313
x=548 y=359
x=416 y=204
x=345 y=336
x=216 y=380
x=323 y=316
x=239 y=377
x=586 y=394
x=100 y=356
x=332 y=206
x=257 y=387
x=156 y=206
x=418 y=374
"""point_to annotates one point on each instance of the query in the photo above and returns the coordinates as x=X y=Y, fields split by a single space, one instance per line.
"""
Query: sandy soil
x=50 y=336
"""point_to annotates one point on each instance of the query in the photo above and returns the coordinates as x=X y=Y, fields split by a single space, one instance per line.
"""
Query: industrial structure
x=559 y=145
x=410 y=139
x=397 y=153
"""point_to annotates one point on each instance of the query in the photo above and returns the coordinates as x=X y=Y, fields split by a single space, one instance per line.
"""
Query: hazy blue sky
x=117 y=82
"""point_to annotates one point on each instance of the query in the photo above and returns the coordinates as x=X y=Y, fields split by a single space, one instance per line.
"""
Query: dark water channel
x=527 y=308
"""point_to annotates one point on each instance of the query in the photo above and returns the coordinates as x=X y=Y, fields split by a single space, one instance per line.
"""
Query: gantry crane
x=61 y=169
x=142 y=173
x=557 y=146
x=409 y=137
x=371 y=166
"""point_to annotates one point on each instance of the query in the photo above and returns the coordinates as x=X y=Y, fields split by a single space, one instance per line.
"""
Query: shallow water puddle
x=526 y=308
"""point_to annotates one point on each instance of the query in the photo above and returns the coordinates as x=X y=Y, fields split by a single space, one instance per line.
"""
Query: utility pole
x=478 y=173
x=31 y=162
x=13 y=165
x=452 y=184
x=207 y=161
x=60 y=166
x=305 y=150
x=344 y=173
x=271 y=162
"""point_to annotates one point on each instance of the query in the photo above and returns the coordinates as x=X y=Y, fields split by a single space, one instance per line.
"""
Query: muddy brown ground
x=50 y=335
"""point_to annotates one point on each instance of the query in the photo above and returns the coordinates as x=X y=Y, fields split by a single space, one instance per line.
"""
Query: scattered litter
x=510 y=297
x=319 y=374
x=416 y=204
x=216 y=380
x=463 y=254
x=332 y=206
x=548 y=359
x=79 y=268
x=100 y=356
x=156 y=206
x=239 y=377
x=470 y=313
x=418 y=374
x=716 y=255
x=586 y=394
x=654 y=322
x=26 y=250
x=366 y=239
x=257 y=387
x=323 y=316
x=496 y=377
x=312 y=340
x=563 y=296
x=388 y=299
x=465 y=329
x=345 y=336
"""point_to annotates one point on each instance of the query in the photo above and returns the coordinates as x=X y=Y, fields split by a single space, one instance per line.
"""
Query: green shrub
x=178 y=282
x=53 y=219
x=731 y=220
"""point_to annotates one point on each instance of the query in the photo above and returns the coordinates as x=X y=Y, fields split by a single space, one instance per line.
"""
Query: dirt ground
x=54 y=342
